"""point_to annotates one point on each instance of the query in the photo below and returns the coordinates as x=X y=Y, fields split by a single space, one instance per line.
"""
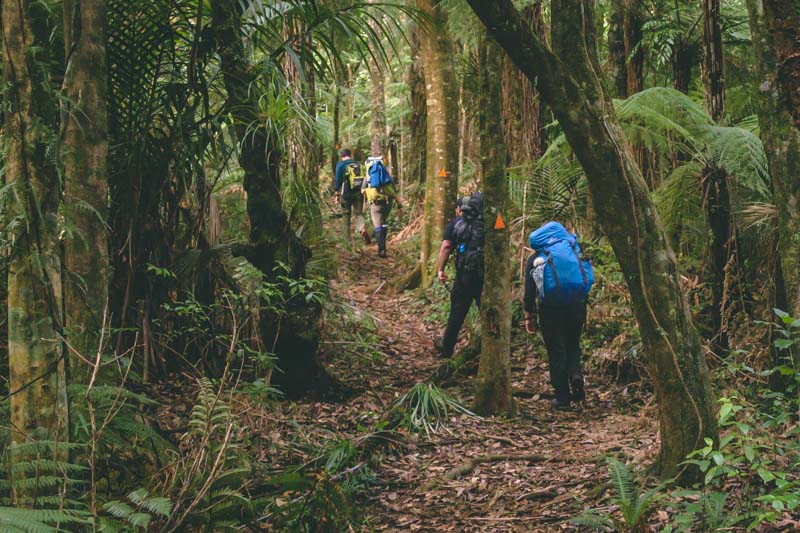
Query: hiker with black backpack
x=557 y=283
x=347 y=182
x=379 y=190
x=464 y=235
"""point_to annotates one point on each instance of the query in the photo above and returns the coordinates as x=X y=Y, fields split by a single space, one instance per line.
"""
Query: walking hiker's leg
x=574 y=320
x=378 y=214
x=346 y=217
x=553 y=335
x=460 y=301
x=358 y=212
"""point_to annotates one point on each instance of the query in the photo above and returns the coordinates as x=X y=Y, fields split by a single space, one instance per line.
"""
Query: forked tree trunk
x=782 y=146
x=672 y=348
x=493 y=384
x=86 y=181
x=442 y=138
x=37 y=379
x=293 y=335
x=716 y=196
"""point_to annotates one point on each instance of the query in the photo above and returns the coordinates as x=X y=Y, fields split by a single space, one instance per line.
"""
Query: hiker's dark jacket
x=341 y=174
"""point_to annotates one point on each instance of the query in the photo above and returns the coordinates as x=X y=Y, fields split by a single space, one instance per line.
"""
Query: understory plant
x=427 y=408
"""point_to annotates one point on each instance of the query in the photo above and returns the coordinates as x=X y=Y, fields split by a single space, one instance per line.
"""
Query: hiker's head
x=345 y=153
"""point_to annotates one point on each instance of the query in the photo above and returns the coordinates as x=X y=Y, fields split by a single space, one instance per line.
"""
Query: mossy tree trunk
x=616 y=49
x=86 y=181
x=293 y=335
x=415 y=126
x=782 y=146
x=442 y=137
x=571 y=87
x=37 y=378
x=493 y=384
x=716 y=196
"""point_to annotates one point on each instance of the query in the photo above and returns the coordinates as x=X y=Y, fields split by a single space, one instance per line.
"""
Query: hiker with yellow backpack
x=347 y=182
x=380 y=192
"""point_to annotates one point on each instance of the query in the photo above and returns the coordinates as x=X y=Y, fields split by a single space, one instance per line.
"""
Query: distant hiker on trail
x=380 y=192
x=464 y=234
x=347 y=183
x=557 y=282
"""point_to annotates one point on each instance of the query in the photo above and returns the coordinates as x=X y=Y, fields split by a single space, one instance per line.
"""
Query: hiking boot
x=578 y=392
x=365 y=235
x=557 y=404
x=438 y=343
x=382 y=253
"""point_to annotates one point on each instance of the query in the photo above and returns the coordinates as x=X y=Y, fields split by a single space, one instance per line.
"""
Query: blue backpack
x=378 y=175
x=567 y=278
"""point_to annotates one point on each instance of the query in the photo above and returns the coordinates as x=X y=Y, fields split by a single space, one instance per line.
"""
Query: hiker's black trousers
x=561 y=330
x=466 y=289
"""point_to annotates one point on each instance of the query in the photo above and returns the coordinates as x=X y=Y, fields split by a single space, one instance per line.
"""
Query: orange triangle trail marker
x=443 y=173
x=499 y=224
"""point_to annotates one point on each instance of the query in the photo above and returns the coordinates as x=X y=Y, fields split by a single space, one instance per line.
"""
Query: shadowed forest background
x=191 y=341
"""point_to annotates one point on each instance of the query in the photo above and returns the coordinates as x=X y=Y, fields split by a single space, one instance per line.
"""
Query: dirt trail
x=416 y=488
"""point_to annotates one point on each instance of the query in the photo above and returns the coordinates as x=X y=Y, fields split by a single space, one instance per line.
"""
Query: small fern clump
x=135 y=514
x=426 y=408
x=634 y=506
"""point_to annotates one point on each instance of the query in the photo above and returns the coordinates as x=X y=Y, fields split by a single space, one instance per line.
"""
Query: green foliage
x=634 y=506
x=427 y=408
x=135 y=514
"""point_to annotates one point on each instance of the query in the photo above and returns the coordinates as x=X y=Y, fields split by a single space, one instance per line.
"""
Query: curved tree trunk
x=442 y=139
x=626 y=212
x=293 y=335
x=37 y=378
x=86 y=181
x=782 y=146
x=493 y=384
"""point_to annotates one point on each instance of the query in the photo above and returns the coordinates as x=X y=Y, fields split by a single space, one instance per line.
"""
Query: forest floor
x=533 y=472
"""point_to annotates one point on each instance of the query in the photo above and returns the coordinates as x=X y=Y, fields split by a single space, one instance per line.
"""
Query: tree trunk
x=493 y=384
x=782 y=146
x=633 y=20
x=616 y=50
x=37 y=378
x=442 y=125
x=674 y=355
x=523 y=113
x=416 y=124
x=682 y=58
x=783 y=20
x=336 y=142
x=293 y=335
x=716 y=197
x=86 y=181
x=378 y=135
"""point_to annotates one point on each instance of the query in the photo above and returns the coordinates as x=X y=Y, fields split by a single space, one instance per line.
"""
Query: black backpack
x=469 y=236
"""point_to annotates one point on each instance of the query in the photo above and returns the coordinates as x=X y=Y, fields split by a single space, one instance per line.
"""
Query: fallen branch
x=467 y=466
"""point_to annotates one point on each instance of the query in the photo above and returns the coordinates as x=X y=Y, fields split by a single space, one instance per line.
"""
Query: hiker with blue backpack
x=348 y=178
x=557 y=283
x=380 y=192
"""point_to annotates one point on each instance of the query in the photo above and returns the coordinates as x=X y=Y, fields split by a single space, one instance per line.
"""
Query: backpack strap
x=580 y=263
x=553 y=269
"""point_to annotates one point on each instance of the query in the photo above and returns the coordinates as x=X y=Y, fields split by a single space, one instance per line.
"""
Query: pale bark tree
x=37 y=378
x=493 y=384
x=570 y=85
x=86 y=181
x=442 y=137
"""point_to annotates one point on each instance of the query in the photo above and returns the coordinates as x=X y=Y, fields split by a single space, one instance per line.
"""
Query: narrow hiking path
x=523 y=474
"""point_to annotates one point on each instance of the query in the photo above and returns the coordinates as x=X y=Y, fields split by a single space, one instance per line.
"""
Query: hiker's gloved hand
x=442 y=276
x=529 y=326
x=337 y=198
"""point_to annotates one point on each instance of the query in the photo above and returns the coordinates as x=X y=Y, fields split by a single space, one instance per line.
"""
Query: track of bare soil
x=530 y=473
